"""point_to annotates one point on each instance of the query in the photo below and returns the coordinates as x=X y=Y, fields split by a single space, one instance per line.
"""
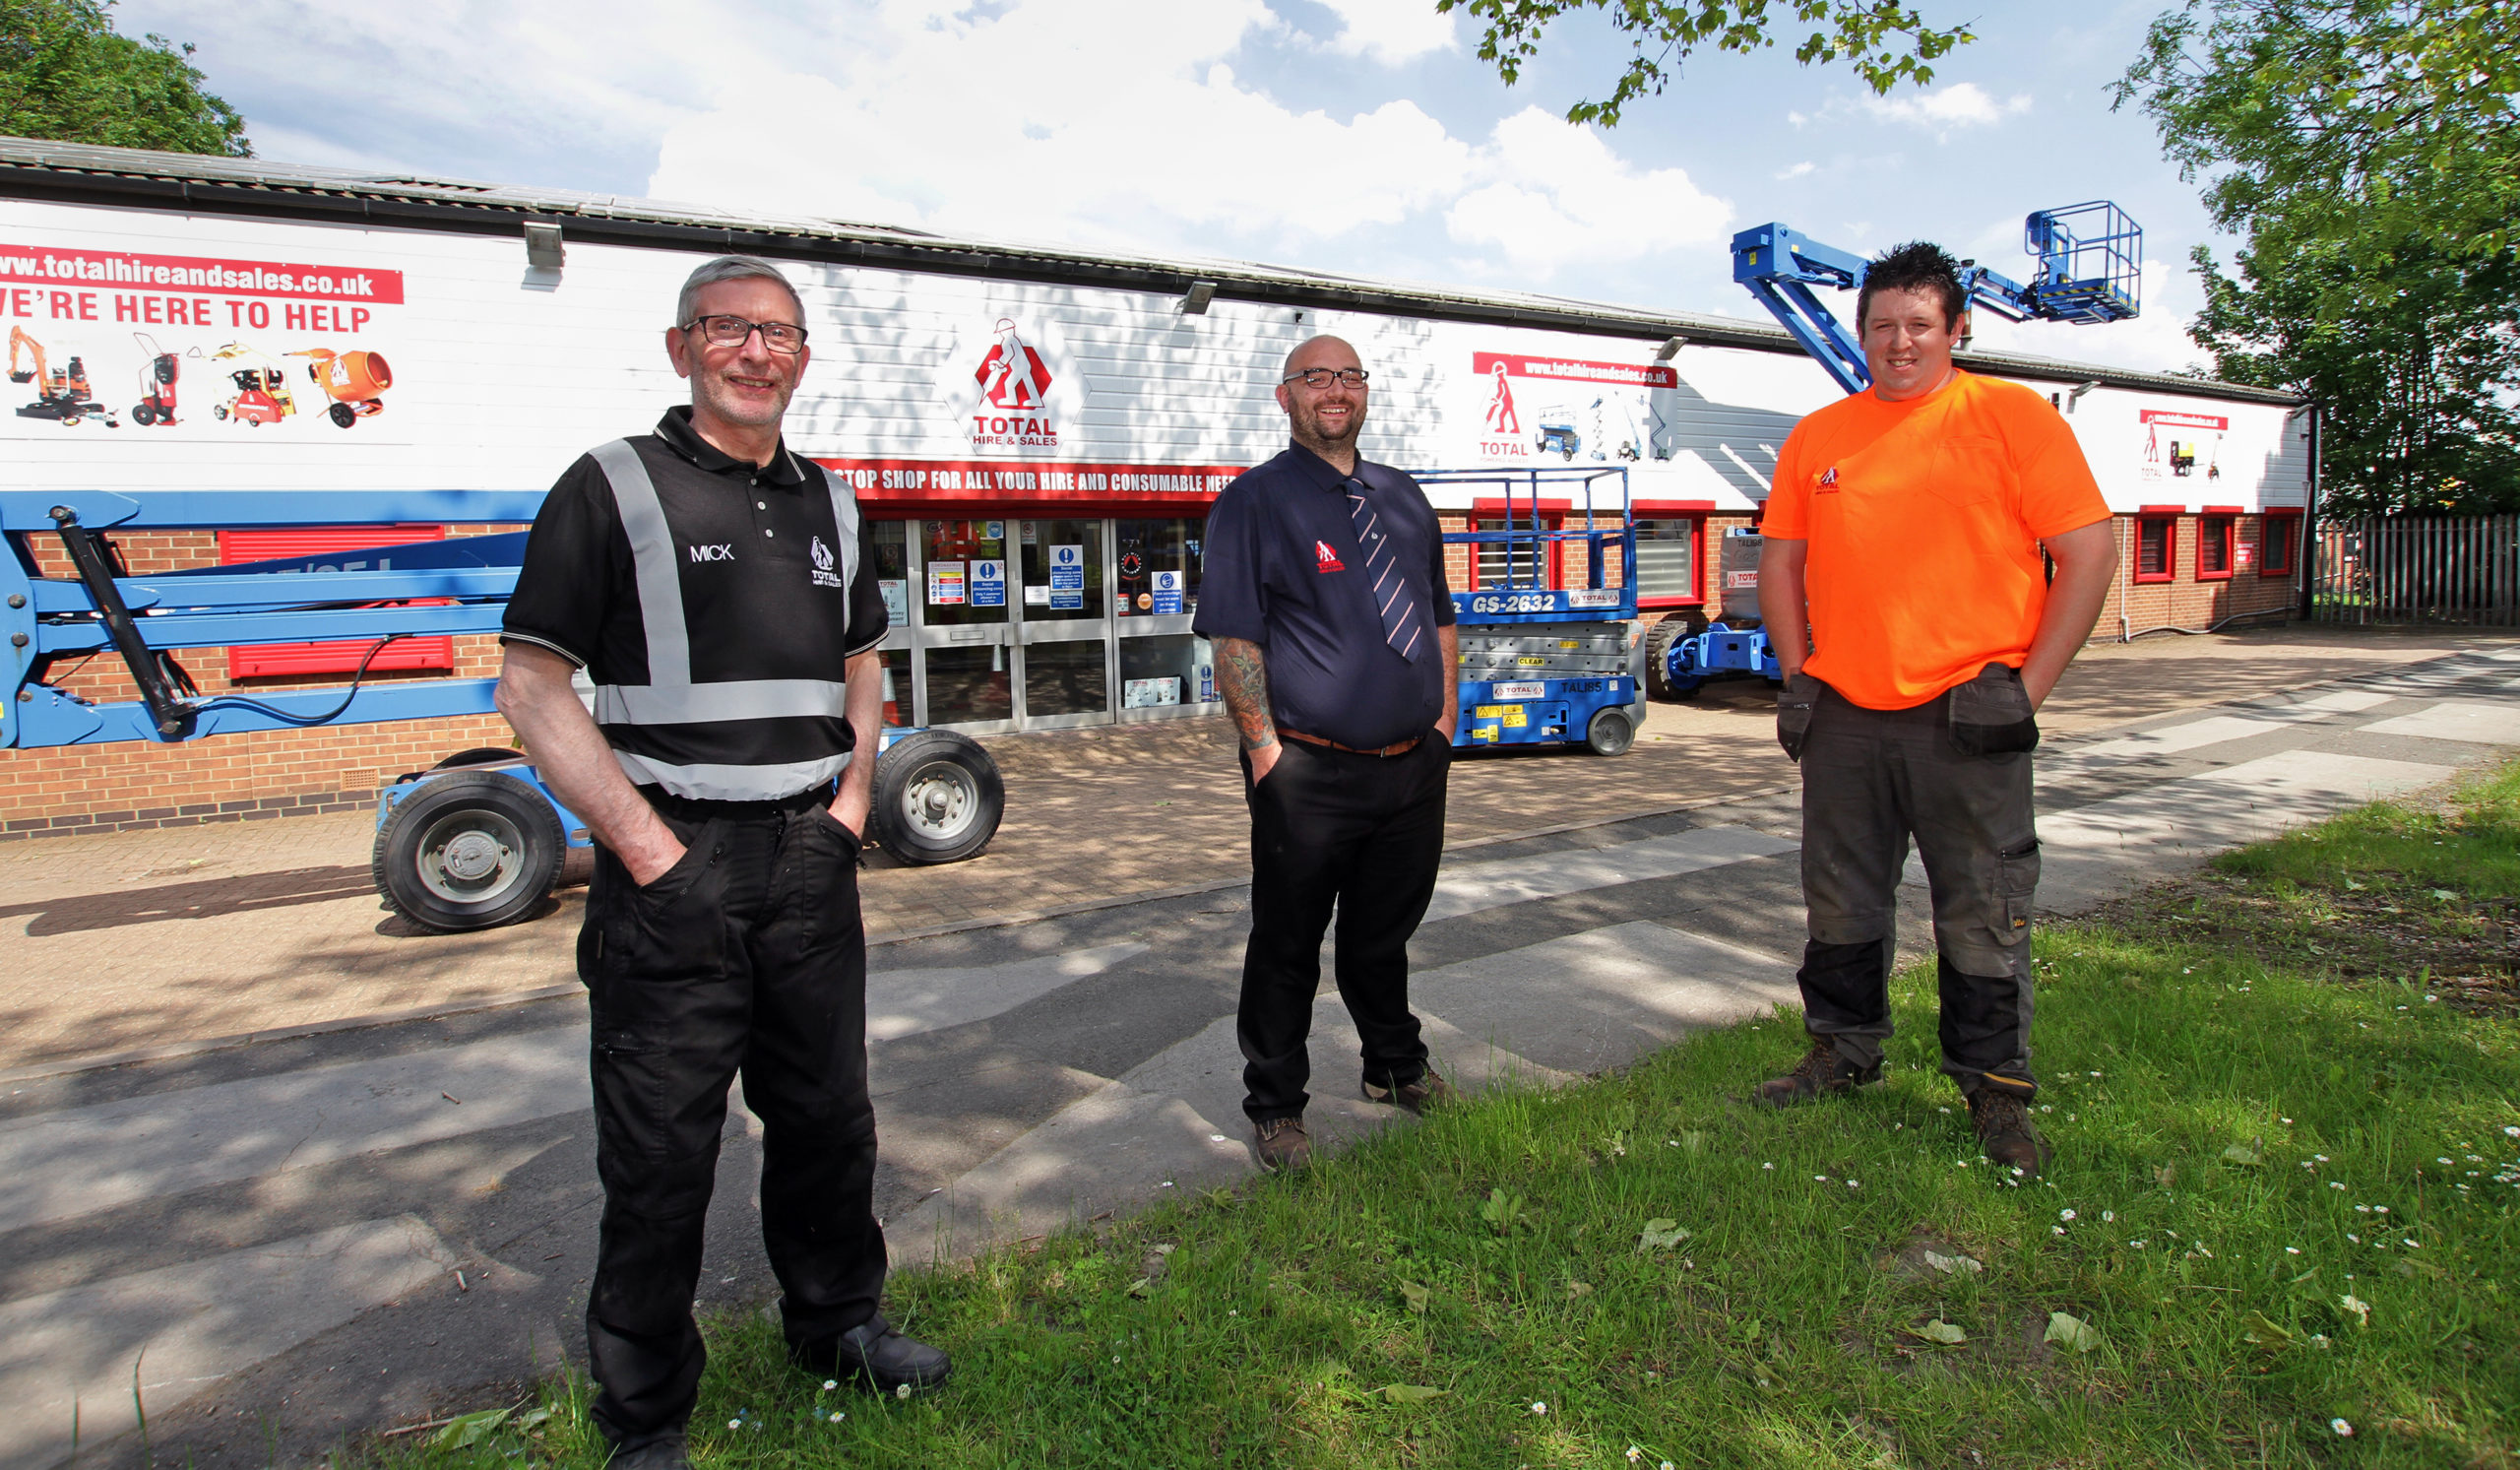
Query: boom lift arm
x=2091 y=264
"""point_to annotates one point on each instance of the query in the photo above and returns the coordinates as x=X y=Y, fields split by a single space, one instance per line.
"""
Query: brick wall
x=260 y=776
x=2185 y=601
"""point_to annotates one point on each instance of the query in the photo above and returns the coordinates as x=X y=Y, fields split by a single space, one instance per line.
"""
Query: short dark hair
x=1917 y=265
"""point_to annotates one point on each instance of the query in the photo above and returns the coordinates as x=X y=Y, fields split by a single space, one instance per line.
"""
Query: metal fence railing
x=2446 y=569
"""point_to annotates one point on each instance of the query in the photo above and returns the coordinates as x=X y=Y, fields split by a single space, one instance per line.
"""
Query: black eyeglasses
x=1323 y=377
x=722 y=331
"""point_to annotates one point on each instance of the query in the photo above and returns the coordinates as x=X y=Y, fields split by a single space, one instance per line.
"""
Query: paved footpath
x=275 y=1246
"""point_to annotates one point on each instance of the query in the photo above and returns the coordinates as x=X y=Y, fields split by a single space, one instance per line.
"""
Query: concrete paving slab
x=80 y=1160
x=1600 y=999
x=177 y=1330
x=2347 y=701
x=2171 y=739
x=907 y=1002
x=1468 y=887
x=2479 y=721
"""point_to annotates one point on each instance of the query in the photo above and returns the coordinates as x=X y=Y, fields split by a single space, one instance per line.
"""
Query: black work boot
x=874 y=1354
x=1821 y=1070
x=665 y=1452
x=2004 y=1132
x=1285 y=1146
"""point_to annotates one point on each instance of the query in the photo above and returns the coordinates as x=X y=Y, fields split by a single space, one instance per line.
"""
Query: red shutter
x=303 y=659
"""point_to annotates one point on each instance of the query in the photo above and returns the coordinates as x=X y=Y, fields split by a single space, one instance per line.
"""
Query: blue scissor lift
x=477 y=839
x=1544 y=661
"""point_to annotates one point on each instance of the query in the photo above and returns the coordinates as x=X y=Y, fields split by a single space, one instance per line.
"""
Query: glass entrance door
x=1064 y=627
x=965 y=669
x=1164 y=667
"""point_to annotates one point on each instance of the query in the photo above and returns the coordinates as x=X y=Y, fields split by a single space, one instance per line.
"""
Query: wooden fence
x=2462 y=569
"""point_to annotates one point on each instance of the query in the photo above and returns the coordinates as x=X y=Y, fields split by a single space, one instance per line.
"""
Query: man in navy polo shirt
x=1324 y=592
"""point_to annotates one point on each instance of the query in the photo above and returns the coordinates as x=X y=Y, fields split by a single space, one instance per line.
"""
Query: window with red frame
x=2215 y=544
x=2155 y=548
x=2275 y=536
x=434 y=654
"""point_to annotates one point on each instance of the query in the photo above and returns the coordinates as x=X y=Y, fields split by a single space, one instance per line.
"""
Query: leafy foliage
x=2368 y=151
x=66 y=75
x=1886 y=43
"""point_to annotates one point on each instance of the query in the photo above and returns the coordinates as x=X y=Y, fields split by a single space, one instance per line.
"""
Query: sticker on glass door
x=1167 y=593
x=988 y=584
x=1067 y=578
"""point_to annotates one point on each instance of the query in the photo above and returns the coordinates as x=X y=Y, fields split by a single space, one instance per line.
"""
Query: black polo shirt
x=1282 y=570
x=756 y=557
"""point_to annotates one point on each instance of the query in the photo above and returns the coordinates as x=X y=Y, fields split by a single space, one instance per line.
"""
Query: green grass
x=2245 y=1141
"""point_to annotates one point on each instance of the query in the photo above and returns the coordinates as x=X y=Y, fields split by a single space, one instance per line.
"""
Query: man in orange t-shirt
x=1902 y=542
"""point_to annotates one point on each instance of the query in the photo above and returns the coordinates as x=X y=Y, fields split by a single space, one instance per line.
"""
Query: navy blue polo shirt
x=1282 y=569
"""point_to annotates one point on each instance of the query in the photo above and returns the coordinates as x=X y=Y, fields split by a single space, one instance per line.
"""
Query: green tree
x=1884 y=41
x=66 y=75
x=2367 y=152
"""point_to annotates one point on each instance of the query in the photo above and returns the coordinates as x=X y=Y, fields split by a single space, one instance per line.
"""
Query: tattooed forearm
x=1243 y=678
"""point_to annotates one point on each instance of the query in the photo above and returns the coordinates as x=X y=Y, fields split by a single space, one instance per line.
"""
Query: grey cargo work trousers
x=1958 y=780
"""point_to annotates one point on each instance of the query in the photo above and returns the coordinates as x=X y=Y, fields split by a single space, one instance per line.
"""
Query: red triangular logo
x=1326 y=559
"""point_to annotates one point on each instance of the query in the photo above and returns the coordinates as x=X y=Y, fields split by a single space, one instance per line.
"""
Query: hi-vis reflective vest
x=730 y=739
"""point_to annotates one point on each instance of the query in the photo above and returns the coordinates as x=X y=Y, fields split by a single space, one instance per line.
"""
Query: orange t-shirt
x=1924 y=520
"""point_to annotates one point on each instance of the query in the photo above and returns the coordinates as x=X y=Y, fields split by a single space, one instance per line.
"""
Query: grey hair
x=732 y=267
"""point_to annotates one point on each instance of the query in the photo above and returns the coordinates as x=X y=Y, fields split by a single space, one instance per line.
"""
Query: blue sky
x=1357 y=136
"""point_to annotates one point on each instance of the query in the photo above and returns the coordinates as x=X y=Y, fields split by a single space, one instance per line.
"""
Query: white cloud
x=1560 y=196
x=1944 y=109
x=1797 y=171
x=1390 y=32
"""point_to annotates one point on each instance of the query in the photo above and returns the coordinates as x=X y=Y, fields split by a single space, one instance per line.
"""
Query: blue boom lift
x=1546 y=662
x=2091 y=266
x=478 y=840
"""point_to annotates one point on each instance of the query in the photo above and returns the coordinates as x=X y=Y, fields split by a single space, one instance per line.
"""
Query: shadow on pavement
x=206 y=899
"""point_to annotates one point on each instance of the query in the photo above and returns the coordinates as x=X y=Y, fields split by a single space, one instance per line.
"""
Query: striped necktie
x=1404 y=623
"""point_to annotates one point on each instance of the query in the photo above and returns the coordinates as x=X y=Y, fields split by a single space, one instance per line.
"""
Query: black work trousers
x=748 y=955
x=1361 y=833
x=1871 y=778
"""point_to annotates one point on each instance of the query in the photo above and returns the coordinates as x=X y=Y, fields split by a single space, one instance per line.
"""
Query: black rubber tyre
x=938 y=797
x=1610 y=733
x=470 y=849
x=144 y=415
x=342 y=414
x=1659 y=638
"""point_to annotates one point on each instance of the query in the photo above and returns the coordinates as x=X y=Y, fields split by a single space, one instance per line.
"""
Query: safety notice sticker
x=988 y=584
x=1167 y=593
x=944 y=583
x=1067 y=578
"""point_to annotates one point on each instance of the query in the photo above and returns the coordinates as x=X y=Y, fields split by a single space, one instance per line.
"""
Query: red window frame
x=1695 y=512
x=2167 y=518
x=2277 y=530
x=1552 y=514
x=2217 y=529
x=432 y=654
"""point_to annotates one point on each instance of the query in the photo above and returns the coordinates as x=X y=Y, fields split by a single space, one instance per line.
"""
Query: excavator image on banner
x=262 y=393
x=62 y=395
x=353 y=381
x=157 y=377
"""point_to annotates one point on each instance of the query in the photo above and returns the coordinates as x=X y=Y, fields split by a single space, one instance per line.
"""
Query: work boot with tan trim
x=2005 y=1133
x=1285 y=1146
x=1821 y=1071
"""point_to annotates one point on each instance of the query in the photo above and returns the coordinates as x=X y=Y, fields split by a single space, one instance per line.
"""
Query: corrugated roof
x=35 y=168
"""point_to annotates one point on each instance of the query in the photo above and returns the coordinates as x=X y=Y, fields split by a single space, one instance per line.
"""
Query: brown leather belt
x=1397 y=747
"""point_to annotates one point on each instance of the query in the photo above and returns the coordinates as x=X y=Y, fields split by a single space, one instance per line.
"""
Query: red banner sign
x=107 y=270
x=877 y=481
x=1572 y=370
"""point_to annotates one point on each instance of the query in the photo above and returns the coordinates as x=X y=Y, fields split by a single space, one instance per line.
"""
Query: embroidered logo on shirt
x=824 y=576
x=1325 y=560
x=1828 y=482
x=725 y=552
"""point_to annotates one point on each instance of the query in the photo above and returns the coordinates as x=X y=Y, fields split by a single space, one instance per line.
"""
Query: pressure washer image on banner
x=106 y=342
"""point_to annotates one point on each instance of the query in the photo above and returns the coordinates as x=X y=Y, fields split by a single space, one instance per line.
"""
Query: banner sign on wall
x=1538 y=408
x=2181 y=445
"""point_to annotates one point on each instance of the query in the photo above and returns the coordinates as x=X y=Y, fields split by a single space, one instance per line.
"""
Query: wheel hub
x=472 y=856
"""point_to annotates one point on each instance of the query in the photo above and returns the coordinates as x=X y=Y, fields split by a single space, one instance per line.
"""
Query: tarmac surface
x=276 y=1243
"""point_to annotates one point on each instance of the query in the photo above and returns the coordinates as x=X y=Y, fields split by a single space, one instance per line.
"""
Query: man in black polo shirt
x=710 y=582
x=1324 y=592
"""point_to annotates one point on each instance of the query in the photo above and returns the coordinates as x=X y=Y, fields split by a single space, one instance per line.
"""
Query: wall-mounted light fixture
x=1194 y=301
x=542 y=250
x=2074 y=395
x=1670 y=349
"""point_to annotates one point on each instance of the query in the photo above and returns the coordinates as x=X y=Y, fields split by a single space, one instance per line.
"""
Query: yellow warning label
x=1529 y=661
x=1510 y=716
x=1568 y=643
x=1483 y=732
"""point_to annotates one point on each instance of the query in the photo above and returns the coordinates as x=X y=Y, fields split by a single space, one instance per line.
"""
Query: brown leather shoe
x=1821 y=1072
x=2005 y=1133
x=1430 y=1090
x=1284 y=1145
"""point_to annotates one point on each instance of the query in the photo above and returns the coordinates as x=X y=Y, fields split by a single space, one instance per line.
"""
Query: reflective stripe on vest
x=669 y=697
